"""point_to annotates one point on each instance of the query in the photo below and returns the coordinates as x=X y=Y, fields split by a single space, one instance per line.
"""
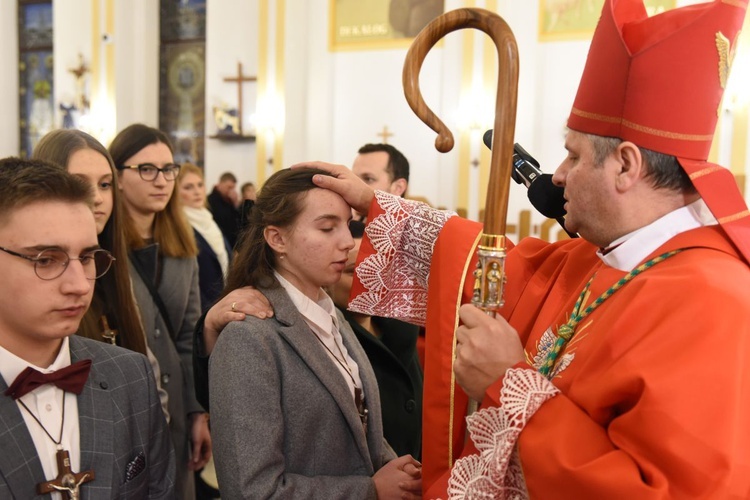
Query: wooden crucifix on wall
x=239 y=80
x=81 y=98
x=385 y=134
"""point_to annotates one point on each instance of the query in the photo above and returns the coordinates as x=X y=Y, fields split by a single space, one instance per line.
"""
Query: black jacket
x=394 y=360
x=226 y=215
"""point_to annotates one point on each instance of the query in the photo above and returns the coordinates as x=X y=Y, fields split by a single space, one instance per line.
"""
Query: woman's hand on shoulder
x=234 y=307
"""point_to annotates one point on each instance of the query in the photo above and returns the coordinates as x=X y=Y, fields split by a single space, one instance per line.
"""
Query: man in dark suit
x=223 y=201
x=78 y=417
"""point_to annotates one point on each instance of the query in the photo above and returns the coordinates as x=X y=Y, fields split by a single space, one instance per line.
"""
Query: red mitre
x=658 y=82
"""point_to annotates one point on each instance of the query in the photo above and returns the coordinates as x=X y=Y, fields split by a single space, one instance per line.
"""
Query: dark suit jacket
x=226 y=215
x=394 y=360
x=120 y=419
x=283 y=418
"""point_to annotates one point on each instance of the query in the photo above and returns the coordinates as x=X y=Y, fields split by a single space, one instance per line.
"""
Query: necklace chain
x=62 y=423
x=343 y=363
x=565 y=332
x=359 y=400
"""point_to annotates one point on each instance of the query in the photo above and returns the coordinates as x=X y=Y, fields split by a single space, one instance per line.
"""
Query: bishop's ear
x=631 y=166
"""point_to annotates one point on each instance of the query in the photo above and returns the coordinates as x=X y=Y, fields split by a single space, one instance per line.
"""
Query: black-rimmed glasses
x=149 y=171
x=50 y=263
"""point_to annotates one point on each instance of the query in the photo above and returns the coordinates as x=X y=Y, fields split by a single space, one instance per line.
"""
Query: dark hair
x=398 y=165
x=113 y=295
x=357 y=228
x=23 y=182
x=171 y=228
x=228 y=176
x=662 y=170
x=279 y=204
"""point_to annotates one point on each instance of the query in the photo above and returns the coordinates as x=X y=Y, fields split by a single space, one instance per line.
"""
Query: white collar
x=11 y=365
x=322 y=312
x=632 y=248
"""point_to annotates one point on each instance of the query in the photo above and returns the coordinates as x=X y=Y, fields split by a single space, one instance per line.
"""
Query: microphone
x=543 y=194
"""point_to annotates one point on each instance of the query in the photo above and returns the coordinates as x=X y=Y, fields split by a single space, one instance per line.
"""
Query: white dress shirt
x=631 y=249
x=321 y=317
x=46 y=403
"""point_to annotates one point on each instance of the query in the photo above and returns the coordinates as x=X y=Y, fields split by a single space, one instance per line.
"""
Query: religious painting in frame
x=35 y=67
x=378 y=24
x=576 y=19
x=182 y=106
x=182 y=77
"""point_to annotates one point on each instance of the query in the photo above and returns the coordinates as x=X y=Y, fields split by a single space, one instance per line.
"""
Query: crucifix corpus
x=239 y=80
x=82 y=101
x=67 y=481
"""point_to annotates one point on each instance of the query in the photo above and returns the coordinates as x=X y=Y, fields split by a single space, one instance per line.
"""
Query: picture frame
x=378 y=24
x=35 y=67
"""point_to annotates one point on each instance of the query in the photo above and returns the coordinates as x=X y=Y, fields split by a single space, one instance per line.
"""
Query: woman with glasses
x=113 y=315
x=165 y=278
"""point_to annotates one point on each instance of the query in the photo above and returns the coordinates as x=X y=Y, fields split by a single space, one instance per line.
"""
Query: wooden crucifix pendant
x=66 y=481
x=359 y=401
x=107 y=333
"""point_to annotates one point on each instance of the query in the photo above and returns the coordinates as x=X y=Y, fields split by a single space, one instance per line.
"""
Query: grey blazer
x=179 y=291
x=121 y=426
x=283 y=421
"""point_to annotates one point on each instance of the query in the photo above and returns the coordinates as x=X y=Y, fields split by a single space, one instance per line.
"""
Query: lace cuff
x=395 y=277
x=496 y=471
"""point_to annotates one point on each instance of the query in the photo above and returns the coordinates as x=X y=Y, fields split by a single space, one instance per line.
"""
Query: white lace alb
x=496 y=471
x=395 y=277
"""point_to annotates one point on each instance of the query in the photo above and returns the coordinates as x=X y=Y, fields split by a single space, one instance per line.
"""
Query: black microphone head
x=487 y=139
x=547 y=198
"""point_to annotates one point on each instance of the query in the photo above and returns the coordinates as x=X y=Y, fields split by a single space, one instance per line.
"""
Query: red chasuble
x=642 y=393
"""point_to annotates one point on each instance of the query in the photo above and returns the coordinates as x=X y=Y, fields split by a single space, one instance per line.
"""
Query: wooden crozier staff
x=442 y=435
x=490 y=272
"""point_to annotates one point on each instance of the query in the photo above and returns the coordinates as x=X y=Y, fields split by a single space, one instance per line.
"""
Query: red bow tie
x=71 y=379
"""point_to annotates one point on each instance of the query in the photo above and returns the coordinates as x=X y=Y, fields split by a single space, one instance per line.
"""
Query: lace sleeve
x=395 y=277
x=496 y=471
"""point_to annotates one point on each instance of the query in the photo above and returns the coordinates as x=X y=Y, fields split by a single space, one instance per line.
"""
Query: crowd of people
x=136 y=303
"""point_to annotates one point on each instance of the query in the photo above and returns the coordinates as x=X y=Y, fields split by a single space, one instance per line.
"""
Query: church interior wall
x=312 y=103
x=231 y=38
x=9 y=133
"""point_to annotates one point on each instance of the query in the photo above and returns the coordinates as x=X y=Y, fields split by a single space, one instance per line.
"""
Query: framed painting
x=576 y=19
x=378 y=24
x=182 y=77
x=35 y=67
x=183 y=20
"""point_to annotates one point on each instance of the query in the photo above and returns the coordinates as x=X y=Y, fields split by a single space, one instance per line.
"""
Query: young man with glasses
x=76 y=415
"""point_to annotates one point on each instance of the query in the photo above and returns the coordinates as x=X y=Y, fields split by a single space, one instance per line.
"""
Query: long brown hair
x=113 y=294
x=279 y=204
x=171 y=229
